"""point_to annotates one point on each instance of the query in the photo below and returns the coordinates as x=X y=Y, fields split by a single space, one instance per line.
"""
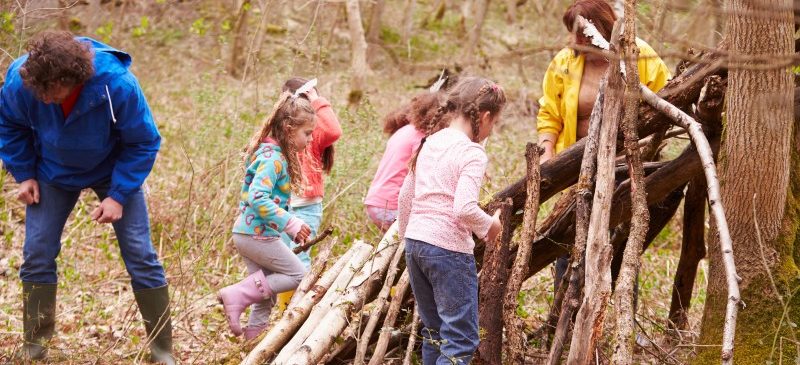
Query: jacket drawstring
x=110 y=106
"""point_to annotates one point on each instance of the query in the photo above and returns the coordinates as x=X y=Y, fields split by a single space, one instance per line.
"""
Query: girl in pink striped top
x=439 y=212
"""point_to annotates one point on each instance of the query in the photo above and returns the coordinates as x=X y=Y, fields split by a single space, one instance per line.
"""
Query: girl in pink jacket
x=406 y=126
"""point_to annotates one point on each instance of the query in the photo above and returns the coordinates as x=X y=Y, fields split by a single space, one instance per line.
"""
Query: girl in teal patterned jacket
x=272 y=173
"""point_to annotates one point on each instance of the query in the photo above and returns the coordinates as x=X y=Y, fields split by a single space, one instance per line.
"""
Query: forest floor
x=181 y=52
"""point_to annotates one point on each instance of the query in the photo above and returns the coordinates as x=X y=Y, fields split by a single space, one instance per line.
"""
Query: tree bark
x=493 y=278
x=757 y=161
x=408 y=21
x=516 y=340
x=239 y=39
x=374 y=30
x=358 y=54
x=474 y=30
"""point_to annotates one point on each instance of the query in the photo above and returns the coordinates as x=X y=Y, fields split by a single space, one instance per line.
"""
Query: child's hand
x=302 y=234
x=494 y=229
x=312 y=94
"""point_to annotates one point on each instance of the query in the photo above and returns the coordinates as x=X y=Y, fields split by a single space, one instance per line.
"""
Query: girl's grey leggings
x=283 y=269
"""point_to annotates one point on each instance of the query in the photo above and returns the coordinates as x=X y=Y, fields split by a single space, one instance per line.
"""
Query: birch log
x=294 y=316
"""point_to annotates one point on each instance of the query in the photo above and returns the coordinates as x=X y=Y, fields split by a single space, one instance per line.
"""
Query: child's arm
x=267 y=173
x=327 y=124
x=465 y=200
x=404 y=204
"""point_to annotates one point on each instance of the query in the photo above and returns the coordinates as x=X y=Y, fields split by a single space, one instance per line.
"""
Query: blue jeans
x=311 y=215
x=44 y=223
x=445 y=286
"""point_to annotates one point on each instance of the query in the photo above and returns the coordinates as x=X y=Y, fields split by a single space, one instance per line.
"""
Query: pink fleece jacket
x=438 y=202
x=393 y=168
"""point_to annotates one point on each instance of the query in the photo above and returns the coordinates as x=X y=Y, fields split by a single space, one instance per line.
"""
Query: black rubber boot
x=154 y=306
x=38 y=319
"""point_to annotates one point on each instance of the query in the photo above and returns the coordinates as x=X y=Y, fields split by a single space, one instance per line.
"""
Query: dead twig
x=306 y=245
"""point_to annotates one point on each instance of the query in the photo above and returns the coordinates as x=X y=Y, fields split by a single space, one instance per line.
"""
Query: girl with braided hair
x=439 y=212
x=272 y=172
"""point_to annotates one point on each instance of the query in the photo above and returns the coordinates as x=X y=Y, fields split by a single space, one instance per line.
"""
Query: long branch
x=715 y=206
x=515 y=343
x=625 y=312
x=572 y=296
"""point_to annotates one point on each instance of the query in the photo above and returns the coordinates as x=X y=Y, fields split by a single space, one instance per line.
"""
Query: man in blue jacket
x=73 y=117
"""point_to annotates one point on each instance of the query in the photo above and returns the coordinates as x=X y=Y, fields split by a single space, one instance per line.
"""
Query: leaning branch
x=715 y=206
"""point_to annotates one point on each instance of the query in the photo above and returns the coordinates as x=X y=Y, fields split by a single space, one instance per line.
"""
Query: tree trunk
x=374 y=30
x=408 y=21
x=474 y=29
x=759 y=187
x=239 y=39
x=358 y=47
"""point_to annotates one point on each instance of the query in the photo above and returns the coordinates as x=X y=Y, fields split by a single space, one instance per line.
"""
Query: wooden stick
x=715 y=206
x=624 y=310
x=412 y=337
x=693 y=249
x=516 y=341
x=380 y=304
x=572 y=295
x=306 y=245
x=597 y=289
x=492 y=284
x=294 y=316
x=317 y=268
x=391 y=317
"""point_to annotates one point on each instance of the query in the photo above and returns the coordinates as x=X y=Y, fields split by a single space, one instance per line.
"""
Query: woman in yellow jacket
x=572 y=79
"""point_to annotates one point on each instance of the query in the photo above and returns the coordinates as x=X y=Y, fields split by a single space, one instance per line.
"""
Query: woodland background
x=211 y=70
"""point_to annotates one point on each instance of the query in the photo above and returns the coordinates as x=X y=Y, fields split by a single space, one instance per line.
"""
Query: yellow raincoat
x=558 y=111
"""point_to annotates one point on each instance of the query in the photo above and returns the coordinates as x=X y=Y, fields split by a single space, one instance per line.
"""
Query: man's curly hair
x=56 y=57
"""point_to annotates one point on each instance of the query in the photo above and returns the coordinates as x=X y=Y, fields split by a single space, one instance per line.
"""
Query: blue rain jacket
x=109 y=137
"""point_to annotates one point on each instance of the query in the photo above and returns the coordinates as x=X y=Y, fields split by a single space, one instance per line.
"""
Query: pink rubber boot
x=251 y=332
x=237 y=297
